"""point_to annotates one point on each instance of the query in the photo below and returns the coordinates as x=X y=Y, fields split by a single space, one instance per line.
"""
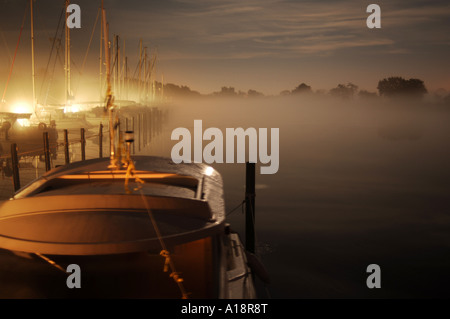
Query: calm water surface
x=359 y=183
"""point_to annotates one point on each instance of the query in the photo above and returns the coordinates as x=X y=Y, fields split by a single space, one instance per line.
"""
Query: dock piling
x=15 y=167
x=100 y=141
x=83 y=145
x=66 y=147
x=47 y=152
x=133 y=129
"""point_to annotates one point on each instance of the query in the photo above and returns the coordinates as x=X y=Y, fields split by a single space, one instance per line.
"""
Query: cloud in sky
x=231 y=39
x=280 y=28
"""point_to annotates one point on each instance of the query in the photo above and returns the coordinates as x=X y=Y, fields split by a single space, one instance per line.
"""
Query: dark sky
x=264 y=45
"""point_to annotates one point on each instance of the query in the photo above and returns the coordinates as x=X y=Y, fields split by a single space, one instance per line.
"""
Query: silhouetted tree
x=344 y=91
x=176 y=90
x=253 y=93
x=226 y=91
x=399 y=87
x=302 y=88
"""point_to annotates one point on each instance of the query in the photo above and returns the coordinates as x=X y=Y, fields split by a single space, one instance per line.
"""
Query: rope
x=168 y=262
x=50 y=57
x=51 y=262
x=240 y=205
x=87 y=51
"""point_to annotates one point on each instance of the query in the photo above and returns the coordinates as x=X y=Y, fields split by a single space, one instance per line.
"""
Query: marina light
x=23 y=122
x=72 y=108
x=21 y=107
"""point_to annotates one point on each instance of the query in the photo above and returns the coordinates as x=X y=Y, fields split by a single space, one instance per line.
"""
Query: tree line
x=391 y=87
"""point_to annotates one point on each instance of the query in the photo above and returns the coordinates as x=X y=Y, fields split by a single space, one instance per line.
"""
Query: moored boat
x=123 y=232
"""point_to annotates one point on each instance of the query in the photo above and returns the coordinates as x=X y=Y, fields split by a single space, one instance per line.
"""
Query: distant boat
x=17 y=125
x=16 y=128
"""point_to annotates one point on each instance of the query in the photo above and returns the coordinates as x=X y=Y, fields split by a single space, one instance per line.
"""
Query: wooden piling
x=144 y=130
x=83 y=144
x=133 y=129
x=15 y=167
x=47 y=152
x=139 y=132
x=250 y=207
x=150 y=121
x=153 y=122
x=66 y=147
x=100 y=141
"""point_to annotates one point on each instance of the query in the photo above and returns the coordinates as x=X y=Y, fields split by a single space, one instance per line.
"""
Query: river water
x=359 y=183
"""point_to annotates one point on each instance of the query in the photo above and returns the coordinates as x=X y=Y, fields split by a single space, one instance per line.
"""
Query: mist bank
x=325 y=130
x=359 y=182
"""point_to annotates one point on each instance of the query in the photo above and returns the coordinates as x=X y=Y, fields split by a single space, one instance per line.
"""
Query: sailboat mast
x=126 y=77
x=122 y=88
x=140 y=69
x=69 y=92
x=109 y=97
x=145 y=74
x=67 y=57
x=32 y=58
x=116 y=66
x=119 y=92
x=101 y=53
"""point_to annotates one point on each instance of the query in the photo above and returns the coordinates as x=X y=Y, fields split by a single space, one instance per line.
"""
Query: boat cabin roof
x=85 y=208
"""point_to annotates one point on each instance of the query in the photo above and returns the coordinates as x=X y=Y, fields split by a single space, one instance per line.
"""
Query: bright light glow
x=209 y=170
x=23 y=122
x=22 y=108
x=74 y=108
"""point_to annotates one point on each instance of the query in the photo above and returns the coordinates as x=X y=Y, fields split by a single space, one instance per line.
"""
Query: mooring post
x=144 y=130
x=154 y=121
x=149 y=127
x=100 y=141
x=140 y=131
x=160 y=123
x=150 y=121
x=66 y=146
x=133 y=129
x=83 y=145
x=250 y=207
x=15 y=167
x=47 y=152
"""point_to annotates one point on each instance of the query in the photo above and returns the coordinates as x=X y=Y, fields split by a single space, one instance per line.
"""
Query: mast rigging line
x=51 y=53
x=6 y=45
x=87 y=52
x=15 y=53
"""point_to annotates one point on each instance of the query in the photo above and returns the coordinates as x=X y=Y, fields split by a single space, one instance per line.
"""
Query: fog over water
x=360 y=182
